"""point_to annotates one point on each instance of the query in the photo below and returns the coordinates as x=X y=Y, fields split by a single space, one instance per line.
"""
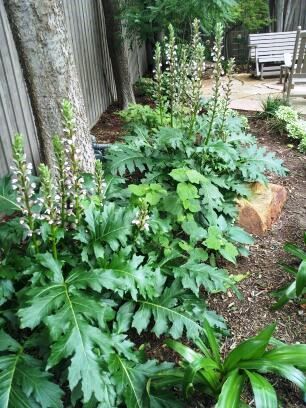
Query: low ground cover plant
x=225 y=378
x=285 y=119
x=297 y=288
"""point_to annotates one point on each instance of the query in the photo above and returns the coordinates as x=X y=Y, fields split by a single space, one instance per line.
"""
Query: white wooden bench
x=267 y=51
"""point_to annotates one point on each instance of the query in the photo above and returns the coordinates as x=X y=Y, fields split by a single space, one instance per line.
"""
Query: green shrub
x=144 y=87
x=287 y=120
x=225 y=378
x=141 y=115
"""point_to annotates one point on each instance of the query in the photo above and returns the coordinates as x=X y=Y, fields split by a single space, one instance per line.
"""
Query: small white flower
x=21 y=221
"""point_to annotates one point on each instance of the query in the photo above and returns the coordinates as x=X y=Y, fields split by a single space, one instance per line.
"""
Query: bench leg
x=261 y=71
x=281 y=75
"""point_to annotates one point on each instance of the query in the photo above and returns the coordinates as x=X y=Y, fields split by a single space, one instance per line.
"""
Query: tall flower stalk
x=196 y=72
x=182 y=82
x=99 y=181
x=158 y=77
x=227 y=96
x=217 y=73
x=21 y=182
x=49 y=200
x=171 y=68
x=61 y=166
x=75 y=181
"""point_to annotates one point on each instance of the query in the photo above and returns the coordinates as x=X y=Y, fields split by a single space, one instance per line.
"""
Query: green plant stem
x=53 y=239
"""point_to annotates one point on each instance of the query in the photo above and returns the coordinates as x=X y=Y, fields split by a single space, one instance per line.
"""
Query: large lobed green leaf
x=23 y=381
x=173 y=312
x=76 y=321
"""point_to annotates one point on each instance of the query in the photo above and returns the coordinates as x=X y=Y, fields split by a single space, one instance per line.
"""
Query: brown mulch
x=109 y=127
x=246 y=317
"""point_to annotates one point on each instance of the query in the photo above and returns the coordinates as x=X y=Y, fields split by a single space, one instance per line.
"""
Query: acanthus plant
x=74 y=280
x=191 y=170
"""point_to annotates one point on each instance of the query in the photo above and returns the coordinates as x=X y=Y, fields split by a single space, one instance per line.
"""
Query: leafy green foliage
x=85 y=259
x=77 y=273
x=253 y=14
x=225 y=379
x=23 y=381
x=137 y=115
x=286 y=120
x=297 y=288
x=8 y=202
x=144 y=87
x=132 y=379
x=148 y=18
x=271 y=105
x=173 y=311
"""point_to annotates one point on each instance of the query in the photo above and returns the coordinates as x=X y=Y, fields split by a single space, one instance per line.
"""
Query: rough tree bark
x=118 y=53
x=279 y=11
x=46 y=57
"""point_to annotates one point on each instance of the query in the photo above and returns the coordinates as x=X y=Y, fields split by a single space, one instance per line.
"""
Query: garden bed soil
x=247 y=316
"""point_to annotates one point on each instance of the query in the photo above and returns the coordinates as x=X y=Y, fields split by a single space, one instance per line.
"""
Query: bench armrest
x=288 y=59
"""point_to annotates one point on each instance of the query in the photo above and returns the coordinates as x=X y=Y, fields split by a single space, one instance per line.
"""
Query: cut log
x=262 y=209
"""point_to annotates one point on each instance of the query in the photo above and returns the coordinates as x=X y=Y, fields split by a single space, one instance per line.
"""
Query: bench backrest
x=273 y=45
x=299 y=56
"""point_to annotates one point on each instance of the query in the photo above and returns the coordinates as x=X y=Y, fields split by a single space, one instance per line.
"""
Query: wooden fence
x=15 y=109
x=86 y=26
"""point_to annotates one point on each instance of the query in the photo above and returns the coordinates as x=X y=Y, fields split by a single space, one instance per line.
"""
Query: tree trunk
x=46 y=56
x=118 y=53
x=279 y=11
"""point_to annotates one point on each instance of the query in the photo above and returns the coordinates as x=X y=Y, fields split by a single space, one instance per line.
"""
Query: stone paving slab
x=248 y=93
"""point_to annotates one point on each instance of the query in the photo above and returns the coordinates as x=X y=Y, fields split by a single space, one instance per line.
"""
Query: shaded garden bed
x=263 y=274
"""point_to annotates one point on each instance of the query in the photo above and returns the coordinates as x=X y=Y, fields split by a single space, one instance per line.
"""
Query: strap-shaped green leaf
x=285 y=296
x=294 y=354
x=249 y=349
x=231 y=390
x=203 y=366
x=264 y=393
x=284 y=370
x=301 y=278
x=295 y=250
x=212 y=341
x=186 y=352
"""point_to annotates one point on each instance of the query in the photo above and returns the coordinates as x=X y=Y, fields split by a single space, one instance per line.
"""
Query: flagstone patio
x=248 y=93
